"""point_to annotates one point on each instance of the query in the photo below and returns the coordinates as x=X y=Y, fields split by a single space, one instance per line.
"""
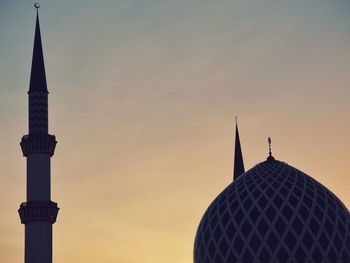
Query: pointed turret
x=238 y=167
x=37 y=75
x=38 y=99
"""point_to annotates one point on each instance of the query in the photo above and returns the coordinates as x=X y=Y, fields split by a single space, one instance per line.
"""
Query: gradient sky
x=142 y=101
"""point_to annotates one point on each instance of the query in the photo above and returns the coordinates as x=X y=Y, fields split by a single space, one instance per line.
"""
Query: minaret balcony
x=38 y=211
x=40 y=143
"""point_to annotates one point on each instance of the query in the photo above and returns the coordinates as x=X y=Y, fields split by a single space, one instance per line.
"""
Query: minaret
x=39 y=212
x=238 y=167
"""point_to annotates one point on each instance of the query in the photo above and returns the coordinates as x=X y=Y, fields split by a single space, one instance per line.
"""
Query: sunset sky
x=143 y=95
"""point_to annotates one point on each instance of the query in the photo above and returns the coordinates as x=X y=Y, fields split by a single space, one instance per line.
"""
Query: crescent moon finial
x=37 y=5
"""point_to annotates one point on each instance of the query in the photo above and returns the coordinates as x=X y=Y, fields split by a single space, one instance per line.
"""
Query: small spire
x=37 y=75
x=270 y=158
x=238 y=167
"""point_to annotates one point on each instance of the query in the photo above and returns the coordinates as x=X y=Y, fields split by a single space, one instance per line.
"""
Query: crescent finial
x=269 y=141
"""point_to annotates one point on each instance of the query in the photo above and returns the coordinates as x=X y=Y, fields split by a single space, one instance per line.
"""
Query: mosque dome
x=274 y=213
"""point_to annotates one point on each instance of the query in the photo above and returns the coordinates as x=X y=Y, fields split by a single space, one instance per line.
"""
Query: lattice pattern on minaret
x=38 y=112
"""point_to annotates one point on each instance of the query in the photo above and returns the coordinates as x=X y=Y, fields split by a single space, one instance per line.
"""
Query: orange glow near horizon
x=142 y=102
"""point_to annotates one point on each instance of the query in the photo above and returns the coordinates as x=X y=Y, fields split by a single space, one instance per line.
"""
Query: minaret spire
x=37 y=75
x=38 y=213
x=38 y=94
x=238 y=167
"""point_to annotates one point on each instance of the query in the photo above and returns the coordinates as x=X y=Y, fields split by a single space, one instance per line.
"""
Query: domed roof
x=274 y=213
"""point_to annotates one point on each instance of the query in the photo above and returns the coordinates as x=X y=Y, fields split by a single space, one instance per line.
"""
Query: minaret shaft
x=38 y=213
x=38 y=242
x=38 y=234
x=38 y=177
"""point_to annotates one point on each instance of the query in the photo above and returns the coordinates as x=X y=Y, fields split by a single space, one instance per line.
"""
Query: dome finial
x=270 y=158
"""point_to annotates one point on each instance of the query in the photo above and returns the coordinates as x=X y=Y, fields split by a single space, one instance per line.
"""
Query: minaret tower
x=38 y=146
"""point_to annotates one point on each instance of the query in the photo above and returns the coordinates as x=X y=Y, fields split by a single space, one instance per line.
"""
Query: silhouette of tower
x=39 y=212
x=238 y=167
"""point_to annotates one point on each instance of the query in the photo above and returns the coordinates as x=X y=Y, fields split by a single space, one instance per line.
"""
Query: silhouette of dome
x=274 y=213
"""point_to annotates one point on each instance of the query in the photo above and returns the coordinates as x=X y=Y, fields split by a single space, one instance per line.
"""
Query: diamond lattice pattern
x=274 y=213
